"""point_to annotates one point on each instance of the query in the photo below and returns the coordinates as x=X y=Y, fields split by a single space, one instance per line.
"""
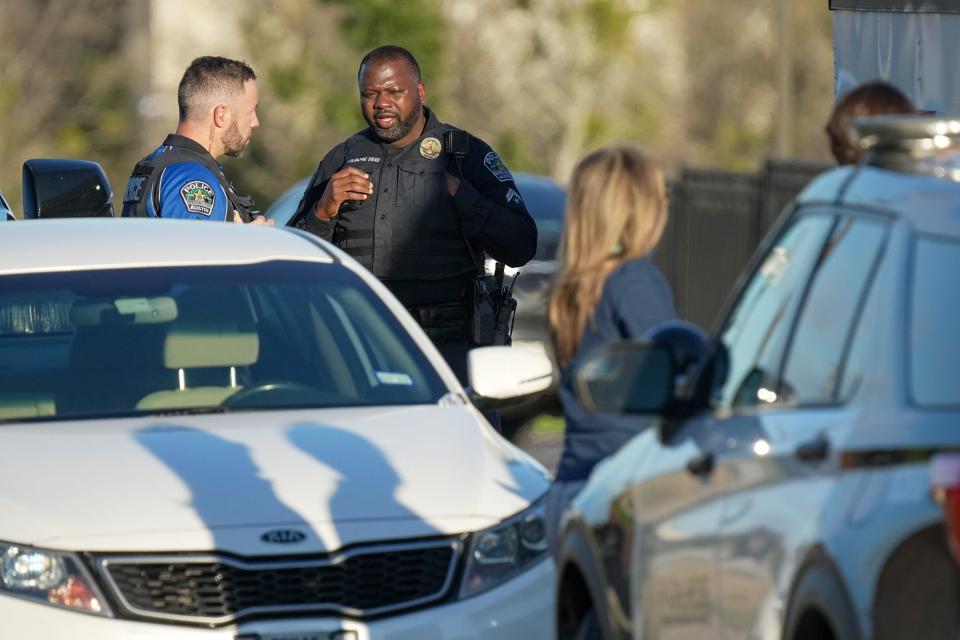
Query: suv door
x=777 y=443
x=677 y=495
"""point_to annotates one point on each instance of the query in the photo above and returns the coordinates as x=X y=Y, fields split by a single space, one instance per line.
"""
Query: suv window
x=934 y=347
x=816 y=356
x=756 y=331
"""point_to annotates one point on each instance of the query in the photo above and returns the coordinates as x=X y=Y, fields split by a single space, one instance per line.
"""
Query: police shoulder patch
x=495 y=165
x=198 y=197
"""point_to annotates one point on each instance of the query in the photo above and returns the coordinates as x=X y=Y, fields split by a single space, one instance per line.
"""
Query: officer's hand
x=258 y=220
x=347 y=184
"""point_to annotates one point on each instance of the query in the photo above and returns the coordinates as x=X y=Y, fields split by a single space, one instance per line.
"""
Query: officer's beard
x=401 y=129
x=233 y=142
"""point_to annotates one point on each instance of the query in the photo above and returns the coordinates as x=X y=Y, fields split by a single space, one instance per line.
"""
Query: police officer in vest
x=419 y=203
x=182 y=178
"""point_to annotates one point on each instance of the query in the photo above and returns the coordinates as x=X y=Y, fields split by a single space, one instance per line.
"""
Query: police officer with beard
x=217 y=98
x=418 y=202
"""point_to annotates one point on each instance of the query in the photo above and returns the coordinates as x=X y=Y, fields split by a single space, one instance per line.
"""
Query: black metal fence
x=717 y=218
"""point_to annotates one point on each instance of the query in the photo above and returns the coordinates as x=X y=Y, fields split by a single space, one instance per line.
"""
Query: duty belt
x=443 y=323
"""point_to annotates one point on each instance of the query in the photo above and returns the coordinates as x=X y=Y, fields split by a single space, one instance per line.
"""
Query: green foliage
x=597 y=128
x=735 y=146
x=342 y=111
x=416 y=25
x=62 y=93
x=286 y=80
x=541 y=80
x=517 y=154
x=609 y=22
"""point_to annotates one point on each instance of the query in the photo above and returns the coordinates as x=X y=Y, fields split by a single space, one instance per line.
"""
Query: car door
x=776 y=465
x=678 y=493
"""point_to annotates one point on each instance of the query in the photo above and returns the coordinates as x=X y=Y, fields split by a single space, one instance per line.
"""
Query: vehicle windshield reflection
x=198 y=339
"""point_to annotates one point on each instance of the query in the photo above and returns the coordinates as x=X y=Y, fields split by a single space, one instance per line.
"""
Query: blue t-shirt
x=190 y=191
x=635 y=298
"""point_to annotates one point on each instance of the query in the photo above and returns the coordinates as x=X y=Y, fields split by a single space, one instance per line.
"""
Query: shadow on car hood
x=340 y=476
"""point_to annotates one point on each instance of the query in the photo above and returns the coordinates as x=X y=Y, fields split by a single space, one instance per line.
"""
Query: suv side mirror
x=58 y=188
x=627 y=377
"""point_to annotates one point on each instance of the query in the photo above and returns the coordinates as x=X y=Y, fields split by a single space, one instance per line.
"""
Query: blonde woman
x=607 y=289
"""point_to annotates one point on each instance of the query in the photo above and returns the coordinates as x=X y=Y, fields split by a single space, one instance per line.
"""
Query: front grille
x=214 y=590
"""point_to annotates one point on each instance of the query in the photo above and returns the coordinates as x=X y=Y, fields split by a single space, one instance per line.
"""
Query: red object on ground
x=945 y=488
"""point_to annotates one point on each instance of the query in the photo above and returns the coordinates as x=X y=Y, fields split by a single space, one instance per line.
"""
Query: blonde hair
x=616 y=211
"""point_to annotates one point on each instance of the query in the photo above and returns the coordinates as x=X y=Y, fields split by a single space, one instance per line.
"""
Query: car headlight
x=49 y=577
x=499 y=553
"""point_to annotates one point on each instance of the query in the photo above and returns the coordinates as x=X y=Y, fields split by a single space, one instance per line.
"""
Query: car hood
x=198 y=482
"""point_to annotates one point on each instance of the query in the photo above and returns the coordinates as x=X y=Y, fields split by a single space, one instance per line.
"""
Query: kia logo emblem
x=283 y=536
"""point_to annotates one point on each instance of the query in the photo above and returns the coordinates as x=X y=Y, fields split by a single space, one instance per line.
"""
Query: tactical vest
x=146 y=176
x=408 y=228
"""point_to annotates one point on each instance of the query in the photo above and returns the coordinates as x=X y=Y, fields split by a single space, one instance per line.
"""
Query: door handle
x=815 y=450
x=702 y=465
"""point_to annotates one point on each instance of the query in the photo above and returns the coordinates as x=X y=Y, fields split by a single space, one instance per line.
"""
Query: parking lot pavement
x=545 y=446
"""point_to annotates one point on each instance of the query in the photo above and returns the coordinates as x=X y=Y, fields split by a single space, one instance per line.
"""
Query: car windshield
x=195 y=339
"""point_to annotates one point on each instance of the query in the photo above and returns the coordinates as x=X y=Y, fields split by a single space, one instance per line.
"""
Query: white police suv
x=785 y=492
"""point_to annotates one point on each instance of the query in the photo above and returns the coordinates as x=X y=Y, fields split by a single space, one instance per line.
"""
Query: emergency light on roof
x=927 y=145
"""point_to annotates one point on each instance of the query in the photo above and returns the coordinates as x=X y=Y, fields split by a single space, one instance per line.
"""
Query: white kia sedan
x=218 y=431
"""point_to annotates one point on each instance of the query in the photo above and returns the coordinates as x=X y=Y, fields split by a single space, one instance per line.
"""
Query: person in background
x=869 y=99
x=607 y=289
x=217 y=98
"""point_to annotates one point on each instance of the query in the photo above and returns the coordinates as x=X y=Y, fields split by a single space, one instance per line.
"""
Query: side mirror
x=56 y=188
x=501 y=376
x=627 y=377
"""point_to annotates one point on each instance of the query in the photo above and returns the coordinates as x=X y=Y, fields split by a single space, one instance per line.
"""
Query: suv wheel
x=819 y=609
x=588 y=629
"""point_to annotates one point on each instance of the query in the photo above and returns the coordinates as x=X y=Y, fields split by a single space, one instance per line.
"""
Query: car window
x=934 y=308
x=865 y=340
x=281 y=334
x=835 y=297
x=754 y=337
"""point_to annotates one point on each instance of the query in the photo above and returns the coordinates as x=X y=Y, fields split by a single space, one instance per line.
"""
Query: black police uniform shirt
x=410 y=230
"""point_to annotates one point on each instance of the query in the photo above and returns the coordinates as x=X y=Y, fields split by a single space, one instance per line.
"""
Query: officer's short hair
x=869 y=99
x=387 y=53
x=211 y=78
